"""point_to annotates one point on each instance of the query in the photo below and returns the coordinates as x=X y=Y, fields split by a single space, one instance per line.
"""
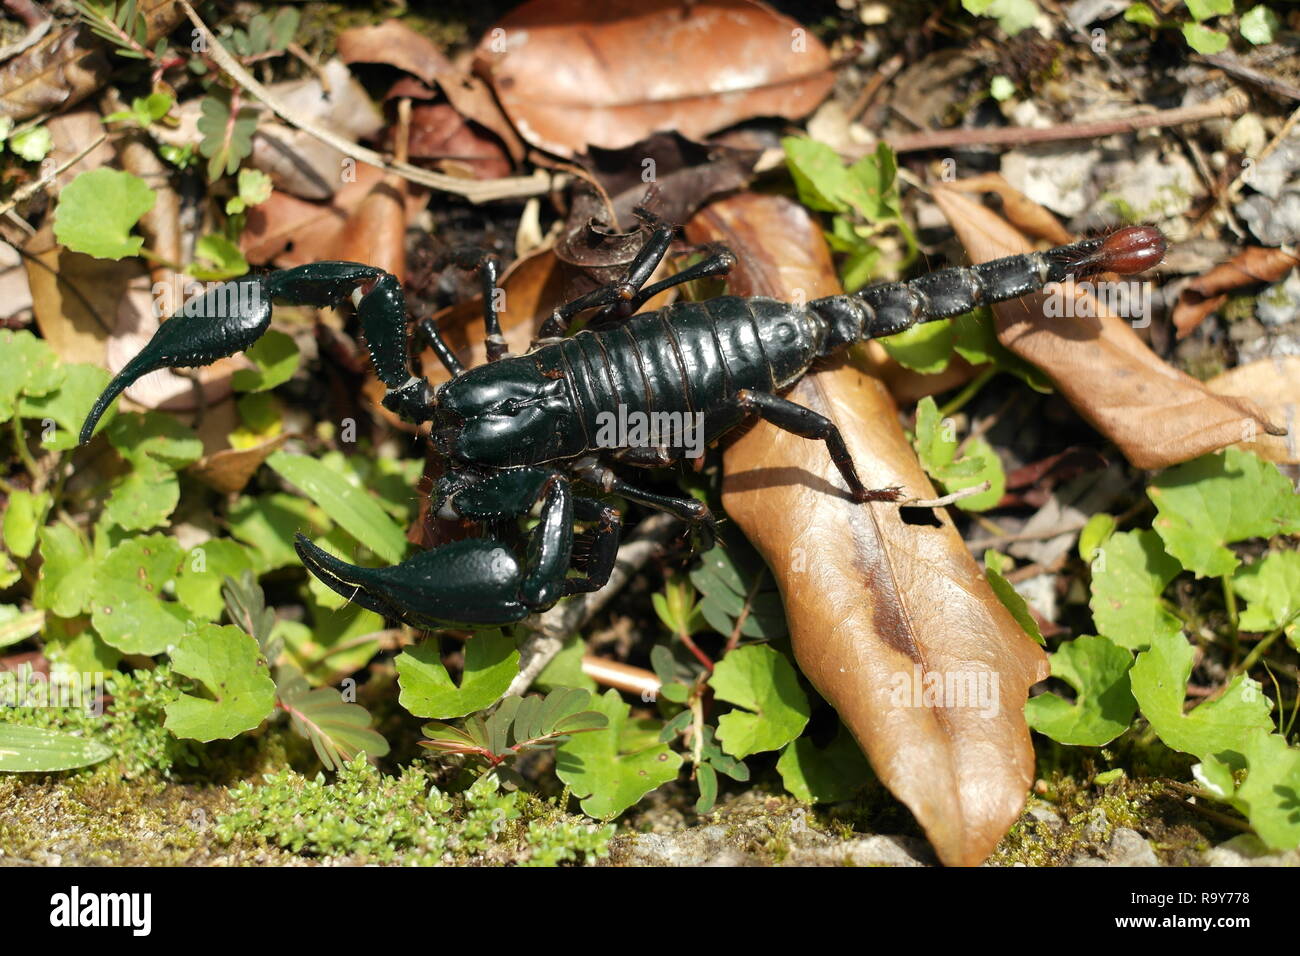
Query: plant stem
x=966 y=394
x=24 y=453
x=1260 y=649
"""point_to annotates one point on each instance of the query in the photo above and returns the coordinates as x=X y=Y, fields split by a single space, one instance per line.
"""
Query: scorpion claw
x=472 y=582
x=225 y=320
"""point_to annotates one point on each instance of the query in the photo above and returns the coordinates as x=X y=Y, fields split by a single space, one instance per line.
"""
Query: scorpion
x=518 y=432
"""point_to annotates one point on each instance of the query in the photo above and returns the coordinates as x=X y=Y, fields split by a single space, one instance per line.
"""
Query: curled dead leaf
x=1207 y=293
x=1275 y=384
x=571 y=74
x=1026 y=215
x=877 y=605
x=1157 y=415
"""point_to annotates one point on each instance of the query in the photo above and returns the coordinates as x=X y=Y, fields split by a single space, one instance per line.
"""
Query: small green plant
x=369 y=817
x=1259 y=25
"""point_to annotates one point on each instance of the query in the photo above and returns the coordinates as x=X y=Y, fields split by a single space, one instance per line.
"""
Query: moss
x=369 y=817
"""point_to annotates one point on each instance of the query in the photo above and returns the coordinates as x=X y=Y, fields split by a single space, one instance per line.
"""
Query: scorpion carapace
x=518 y=431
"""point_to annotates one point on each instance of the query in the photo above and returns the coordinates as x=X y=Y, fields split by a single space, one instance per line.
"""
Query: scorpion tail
x=223 y=321
x=893 y=307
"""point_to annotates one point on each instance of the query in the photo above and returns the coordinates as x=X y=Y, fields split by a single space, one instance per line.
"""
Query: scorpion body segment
x=518 y=431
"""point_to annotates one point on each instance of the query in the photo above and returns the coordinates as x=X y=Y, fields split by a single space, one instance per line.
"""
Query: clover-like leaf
x=155 y=445
x=66 y=406
x=827 y=774
x=127 y=605
x=936 y=445
x=230 y=667
x=491 y=663
x=1217 y=728
x=23 y=519
x=1270 y=794
x=28 y=366
x=763 y=682
x=613 y=768
x=1216 y=500
x=203 y=572
x=1272 y=587
x=67 y=576
x=98 y=210
x=1103 y=705
x=227 y=139
x=1129 y=574
x=276 y=357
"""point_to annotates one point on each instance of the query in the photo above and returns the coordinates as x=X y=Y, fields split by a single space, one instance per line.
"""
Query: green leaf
x=1095 y=534
x=338 y=730
x=1270 y=794
x=276 y=357
x=491 y=663
x=1141 y=13
x=27 y=367
x=98 y=210
x=1272 y=586
x=936 y=445
x=994 y=565
x=254 y=189
x=565 y=668
x=1013 y=16
x=924 y=348
x=1203 y=39
x=16 y=625
x=605 y=775
x=1129 y=574
x=1103 y=705
x=1204 y=9
x=1259 y=25
x=1001 y=88
x=1216 y=728
x=733 y=580
x=975 y=339
x=356 y=511
x=32 y=144
x=827 y=774
x=36 y=750
x=23 y=519
x=229 y=665
x=128 y=609
x=267 y=525
x=819 y=174
x=764 y=683
x=67 y=577
x=226 y=141
x=217 y=259
x=204 y=570
x=1207 y=504
x=66 y=406
x=155 y=445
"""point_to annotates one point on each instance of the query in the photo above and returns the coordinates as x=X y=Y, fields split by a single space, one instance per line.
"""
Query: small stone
x=1249 y=850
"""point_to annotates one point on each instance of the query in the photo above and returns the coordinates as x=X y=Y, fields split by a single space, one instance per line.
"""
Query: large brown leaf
x=1275 y=384
x=572 y=74
x=873 y=600
x=1157 y=415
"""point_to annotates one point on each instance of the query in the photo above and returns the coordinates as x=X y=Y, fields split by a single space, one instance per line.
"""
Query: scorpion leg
x=718 y=261
x=489 y=268
x=688 y=509
x=432 y=337
x=806 y=423
x=603 y=551
x=617 y=293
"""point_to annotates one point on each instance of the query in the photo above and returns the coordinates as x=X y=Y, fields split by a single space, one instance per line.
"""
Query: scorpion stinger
x=518 y=431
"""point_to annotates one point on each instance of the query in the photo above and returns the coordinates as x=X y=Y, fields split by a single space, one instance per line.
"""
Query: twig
x=551 y=628
x=948 y=499
x=979 y=544
x=31 y=189
x=1251 y=75
x=472 y=189
x=1234 y=104
x=625 y=677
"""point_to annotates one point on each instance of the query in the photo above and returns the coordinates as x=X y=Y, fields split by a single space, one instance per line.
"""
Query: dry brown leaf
x=68 y=66
x=439 y=132
x=1157 y=415
x=869 y=597
x=1275 y=384
x=572 y=74
x=74 y=296
x=228 y=470
x=1205 y=294
x=376 y=232
x=288 y=231
x=1025 y=214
